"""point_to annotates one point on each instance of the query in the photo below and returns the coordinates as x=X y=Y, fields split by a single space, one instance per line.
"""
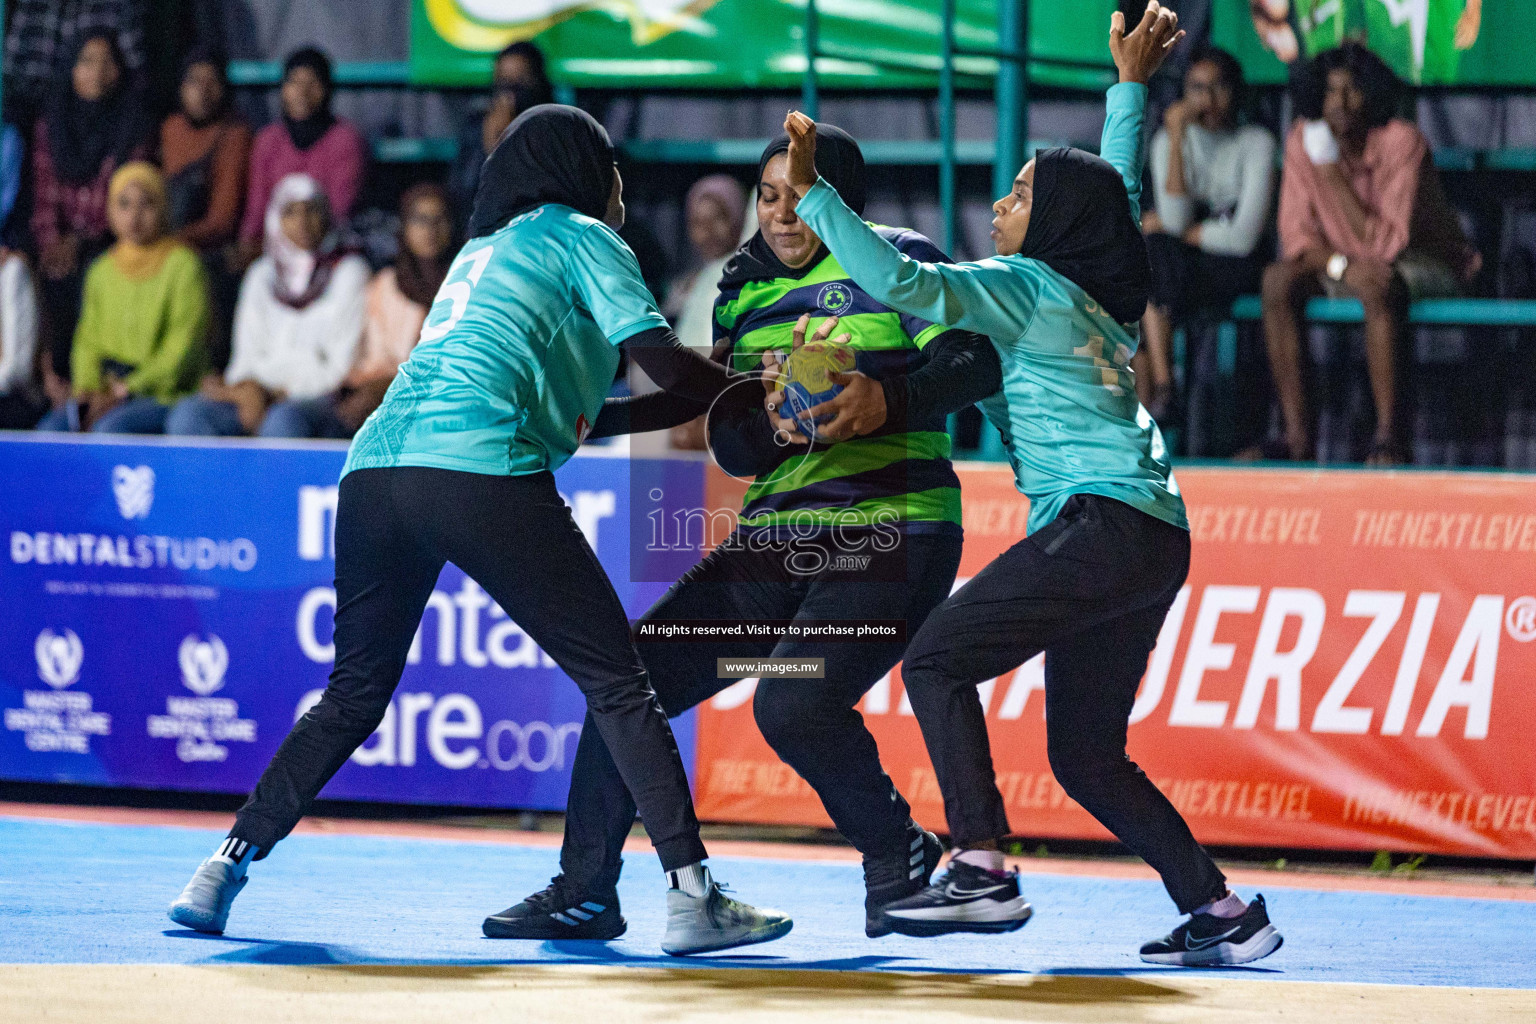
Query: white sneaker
x=204 y=904
x=701 y=924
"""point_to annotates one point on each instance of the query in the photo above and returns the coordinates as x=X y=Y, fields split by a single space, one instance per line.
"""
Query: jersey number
x=458 y=292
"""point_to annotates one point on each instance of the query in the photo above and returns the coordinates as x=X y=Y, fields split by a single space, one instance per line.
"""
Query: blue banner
x=166 y=613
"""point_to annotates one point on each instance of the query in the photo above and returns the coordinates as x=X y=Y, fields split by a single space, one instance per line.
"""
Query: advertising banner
x=1426 y=42
x=895 y=43
x=166 y=613
x=743 y=43
x=1352 y=665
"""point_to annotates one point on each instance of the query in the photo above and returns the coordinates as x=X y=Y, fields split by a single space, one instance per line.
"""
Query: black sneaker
x=559 y=912
x=888 y=879
x=966 y=899
x=1207 y=940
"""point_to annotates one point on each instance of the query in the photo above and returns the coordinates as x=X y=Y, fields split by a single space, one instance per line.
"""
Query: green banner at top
x=895 y=43
x=746 y=43
x=1426 y=42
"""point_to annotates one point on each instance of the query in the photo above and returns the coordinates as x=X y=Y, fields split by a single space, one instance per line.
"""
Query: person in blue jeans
x=1108 y=545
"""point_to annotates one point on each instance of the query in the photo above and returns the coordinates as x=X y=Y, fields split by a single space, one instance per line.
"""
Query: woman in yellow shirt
x=139 y=344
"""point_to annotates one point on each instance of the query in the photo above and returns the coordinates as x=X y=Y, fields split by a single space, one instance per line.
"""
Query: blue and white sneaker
x=204 y=904
x=1206 y=940
x=560 y=911
x=966 y=899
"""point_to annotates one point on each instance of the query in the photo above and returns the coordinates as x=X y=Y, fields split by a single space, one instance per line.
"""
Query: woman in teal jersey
x=1109 y=544
x=515 y=359
x=861 y=531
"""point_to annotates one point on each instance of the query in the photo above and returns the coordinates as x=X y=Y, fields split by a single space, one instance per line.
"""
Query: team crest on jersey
x=835 y=298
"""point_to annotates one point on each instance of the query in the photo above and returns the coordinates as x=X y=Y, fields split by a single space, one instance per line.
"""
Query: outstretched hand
x=802 y=152
x=1140 y=54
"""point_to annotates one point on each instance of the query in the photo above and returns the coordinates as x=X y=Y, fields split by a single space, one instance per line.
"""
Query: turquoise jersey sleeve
x=605 y=277
x=1126 y=109
x=996 y=297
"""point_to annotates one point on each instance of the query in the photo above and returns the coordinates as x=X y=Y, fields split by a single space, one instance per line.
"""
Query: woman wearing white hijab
x=297 y=325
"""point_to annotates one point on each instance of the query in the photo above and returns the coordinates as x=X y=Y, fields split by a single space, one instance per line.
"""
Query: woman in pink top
x=398 y=300
x=308 y=139
x=1362 y=214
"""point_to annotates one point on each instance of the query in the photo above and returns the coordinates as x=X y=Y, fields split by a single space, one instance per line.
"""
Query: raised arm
x=1125 y=109
x=986 y=297
x=1137 y=56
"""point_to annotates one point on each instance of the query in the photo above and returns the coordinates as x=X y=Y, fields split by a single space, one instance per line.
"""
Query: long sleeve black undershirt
x=689 y=382
x=962 y=368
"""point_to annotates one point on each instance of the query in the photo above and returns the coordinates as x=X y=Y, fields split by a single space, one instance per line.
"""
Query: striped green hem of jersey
x=941 y=504
x=856 y=455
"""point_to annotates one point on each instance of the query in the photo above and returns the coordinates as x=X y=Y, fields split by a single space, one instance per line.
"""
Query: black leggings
x=514 y=536
x=1091 y=590
x=810 y=723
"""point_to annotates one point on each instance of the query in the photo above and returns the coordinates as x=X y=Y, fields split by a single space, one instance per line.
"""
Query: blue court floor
x=96 y=893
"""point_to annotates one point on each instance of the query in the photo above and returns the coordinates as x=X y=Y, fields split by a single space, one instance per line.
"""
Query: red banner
x=1352 y=665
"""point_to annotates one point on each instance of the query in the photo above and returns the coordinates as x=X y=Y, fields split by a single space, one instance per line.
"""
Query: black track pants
x=515 y=537
x=1090 y=590
x=810 y=723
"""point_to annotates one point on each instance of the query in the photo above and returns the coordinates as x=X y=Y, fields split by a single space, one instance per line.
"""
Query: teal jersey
x=1067 y=410
x=517 y=353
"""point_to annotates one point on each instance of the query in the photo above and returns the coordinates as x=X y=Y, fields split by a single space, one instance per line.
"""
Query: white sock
x=989 y=860
x=1228 y=906
x=237 y=853
x=693 y=879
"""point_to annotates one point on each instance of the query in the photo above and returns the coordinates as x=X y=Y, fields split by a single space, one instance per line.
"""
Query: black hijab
x=83 y=135
x=309 y=131
x=841 y=162
x=1081 y=227
x=551 y=153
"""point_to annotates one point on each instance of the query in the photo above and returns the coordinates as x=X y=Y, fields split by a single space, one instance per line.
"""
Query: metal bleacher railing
x=1008 y=65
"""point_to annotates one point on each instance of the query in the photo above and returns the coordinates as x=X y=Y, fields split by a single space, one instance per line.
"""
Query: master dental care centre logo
x=58 y=719
x=133 y=492
x=201 y=724
x=462 y=635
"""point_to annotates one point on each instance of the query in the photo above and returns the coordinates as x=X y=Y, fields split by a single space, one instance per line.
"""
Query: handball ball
x=807 y=375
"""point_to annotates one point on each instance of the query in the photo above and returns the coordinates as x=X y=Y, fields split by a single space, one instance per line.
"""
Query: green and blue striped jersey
x=899 y=475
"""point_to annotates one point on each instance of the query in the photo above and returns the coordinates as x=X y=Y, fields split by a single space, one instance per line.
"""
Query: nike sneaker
x=966 y=899
x=702 y=924
x=1207 y=940
x=204 y=904
x=888 y=879
x=560 y=911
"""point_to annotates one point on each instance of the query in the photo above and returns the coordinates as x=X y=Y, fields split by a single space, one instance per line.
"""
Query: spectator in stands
x=309 y=140
x=1215 y=185
x=518 y=82
x=43 y=36
x=716 y=210
x=398 y=300
x=205 y=150
x=95 y=122
x=1362 y=214
x=297 y=326
x=20 y=403
x=139 y=346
